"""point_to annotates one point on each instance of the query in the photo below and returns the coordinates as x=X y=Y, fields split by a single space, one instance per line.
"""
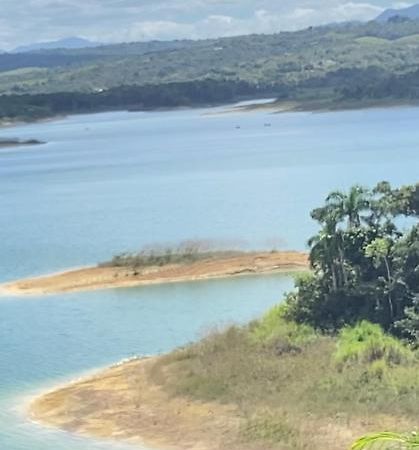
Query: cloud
x=400 y=5
x=127 y=20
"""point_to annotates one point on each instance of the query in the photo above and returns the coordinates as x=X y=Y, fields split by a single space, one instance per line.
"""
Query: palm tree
x=379 y=250
x=349 y=204
x=387 y=441
x=326 y=246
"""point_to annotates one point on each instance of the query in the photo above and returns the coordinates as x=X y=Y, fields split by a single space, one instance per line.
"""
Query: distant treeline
x=378 y=85
x=10 y=61
x=199 y=92
x=331 y=90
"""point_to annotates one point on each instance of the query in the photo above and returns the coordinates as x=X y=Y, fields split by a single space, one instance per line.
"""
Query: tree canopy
x=365 y=261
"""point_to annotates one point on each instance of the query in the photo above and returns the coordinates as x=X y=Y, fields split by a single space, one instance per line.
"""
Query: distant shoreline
x=274 y=107
x=111 y=277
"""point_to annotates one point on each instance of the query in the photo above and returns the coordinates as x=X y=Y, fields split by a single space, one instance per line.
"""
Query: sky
x=31 y=21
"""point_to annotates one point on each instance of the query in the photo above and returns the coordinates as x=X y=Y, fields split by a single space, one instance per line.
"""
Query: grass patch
x=266 y=426
x=412 y=39
x=372 y=41
x=284 y=397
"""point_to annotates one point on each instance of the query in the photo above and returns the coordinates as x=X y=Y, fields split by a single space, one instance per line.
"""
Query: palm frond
x=387 y=441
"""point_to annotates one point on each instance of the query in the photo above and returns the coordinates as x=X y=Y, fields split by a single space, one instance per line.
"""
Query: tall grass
x=367 y=343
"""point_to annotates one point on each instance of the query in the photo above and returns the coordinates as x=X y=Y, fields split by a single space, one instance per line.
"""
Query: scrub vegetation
x=186 y=252
x=289 y=386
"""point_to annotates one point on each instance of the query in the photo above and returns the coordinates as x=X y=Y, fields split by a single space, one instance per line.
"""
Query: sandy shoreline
x=124 y=403
x=97 y=278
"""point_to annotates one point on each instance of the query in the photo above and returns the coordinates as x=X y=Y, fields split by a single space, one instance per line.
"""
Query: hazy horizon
x=112 y=21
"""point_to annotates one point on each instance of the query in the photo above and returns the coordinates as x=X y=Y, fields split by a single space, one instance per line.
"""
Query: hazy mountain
x=66 y=43
x=412 y=12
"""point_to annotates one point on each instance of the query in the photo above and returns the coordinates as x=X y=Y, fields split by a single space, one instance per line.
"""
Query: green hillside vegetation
x=289 y=387
x=371 y=40
x=332 y=66
x=413 y=39
x=283 y=57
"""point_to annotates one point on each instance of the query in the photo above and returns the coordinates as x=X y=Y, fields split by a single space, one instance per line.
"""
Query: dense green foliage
x=365 y=262
x=133 y=98
x=330 y=66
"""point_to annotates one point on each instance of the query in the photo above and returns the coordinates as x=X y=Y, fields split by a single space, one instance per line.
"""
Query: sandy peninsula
x=109 y=277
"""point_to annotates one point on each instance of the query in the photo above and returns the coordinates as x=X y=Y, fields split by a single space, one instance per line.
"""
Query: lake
x=113 y=182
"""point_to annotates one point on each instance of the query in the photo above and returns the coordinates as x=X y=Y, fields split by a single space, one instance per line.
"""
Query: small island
x=12 y=142
x=161 y=266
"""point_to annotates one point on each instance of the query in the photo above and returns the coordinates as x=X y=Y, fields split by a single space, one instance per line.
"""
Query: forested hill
x=332 y=64
x=287 y=57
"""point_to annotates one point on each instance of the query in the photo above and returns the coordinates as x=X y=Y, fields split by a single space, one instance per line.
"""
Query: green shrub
x=286 y=334
x=367 y=343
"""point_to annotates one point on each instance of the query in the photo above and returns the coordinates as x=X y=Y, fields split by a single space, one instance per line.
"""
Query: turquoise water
x=112 y=182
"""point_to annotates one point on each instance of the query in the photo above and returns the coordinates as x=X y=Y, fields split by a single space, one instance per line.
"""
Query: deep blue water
x=117 y=181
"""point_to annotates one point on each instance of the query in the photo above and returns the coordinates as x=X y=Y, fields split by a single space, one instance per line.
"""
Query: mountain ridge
x=71 y=43
x=411 y=12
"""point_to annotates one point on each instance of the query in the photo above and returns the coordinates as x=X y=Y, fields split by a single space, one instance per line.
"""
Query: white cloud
x=26 y=21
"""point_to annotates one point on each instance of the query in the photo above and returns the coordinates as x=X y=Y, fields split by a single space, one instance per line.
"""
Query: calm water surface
x=112 y=182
